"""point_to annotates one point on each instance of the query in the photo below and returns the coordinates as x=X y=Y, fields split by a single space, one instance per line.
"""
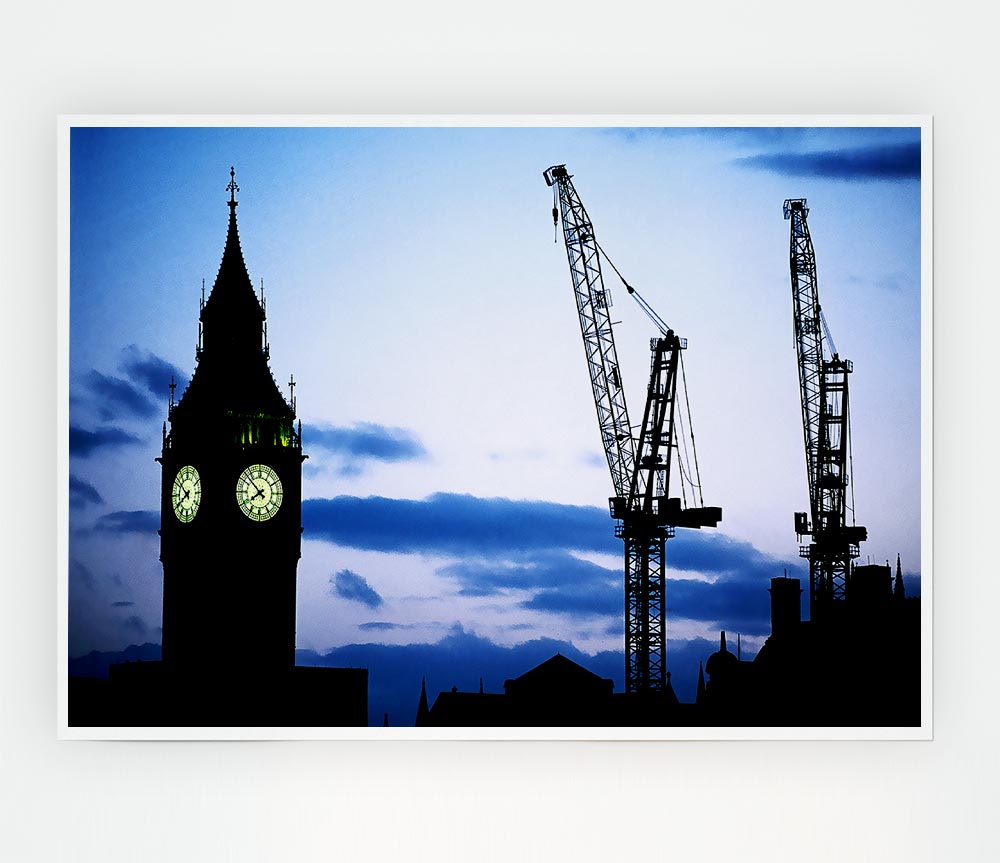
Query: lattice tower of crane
x=640 y=467
x=824 y=391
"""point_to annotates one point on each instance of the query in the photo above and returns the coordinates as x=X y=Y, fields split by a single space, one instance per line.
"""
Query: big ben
x=230 y=504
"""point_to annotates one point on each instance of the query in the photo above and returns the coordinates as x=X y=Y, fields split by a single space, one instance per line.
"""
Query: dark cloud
x=896 y=162
x=456 y=524
x=117 y=397
x=507 y=545
x=136 y=625
x=81 y=575
x=82 y=492
x=544 y=569
x=366 y=442
x=122 y=604
x=381 y=626
x=83 y=442
x=153 y=372
x=599 y=599
x=123 y=521
x=351 y=586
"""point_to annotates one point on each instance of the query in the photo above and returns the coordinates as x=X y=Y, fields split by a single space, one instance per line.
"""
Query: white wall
x=79 y=801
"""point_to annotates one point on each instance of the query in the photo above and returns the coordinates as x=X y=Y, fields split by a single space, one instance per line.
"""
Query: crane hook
x=555 y=217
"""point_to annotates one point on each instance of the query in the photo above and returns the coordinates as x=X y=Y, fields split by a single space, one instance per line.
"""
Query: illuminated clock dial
x=258 y=492
x=186 y=494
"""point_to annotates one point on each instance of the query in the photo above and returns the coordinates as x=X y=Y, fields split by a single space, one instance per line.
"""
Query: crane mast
x=824 y=391
x=640 y=469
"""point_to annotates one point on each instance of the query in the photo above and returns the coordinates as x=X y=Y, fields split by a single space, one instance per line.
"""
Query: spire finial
x=232 y=188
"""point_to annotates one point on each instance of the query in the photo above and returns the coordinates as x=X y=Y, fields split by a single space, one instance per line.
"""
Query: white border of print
x=924 y=732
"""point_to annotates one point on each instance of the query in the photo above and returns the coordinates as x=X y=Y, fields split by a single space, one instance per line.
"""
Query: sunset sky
x=455 y=495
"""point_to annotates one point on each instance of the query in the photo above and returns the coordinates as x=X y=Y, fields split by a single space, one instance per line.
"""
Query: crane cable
x=694 y=448
x=646 y=307
x=694 y=482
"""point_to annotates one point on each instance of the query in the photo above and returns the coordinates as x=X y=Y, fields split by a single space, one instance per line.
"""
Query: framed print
x=496 y=427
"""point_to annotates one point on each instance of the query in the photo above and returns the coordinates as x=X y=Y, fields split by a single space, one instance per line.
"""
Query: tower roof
x=232 y=295
x=232 y=376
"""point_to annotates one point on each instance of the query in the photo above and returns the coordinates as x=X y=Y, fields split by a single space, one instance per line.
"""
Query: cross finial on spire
x=232 y=188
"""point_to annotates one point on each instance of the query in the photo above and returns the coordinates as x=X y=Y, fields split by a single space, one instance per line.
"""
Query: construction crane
x=823 y=386
x=640 y=467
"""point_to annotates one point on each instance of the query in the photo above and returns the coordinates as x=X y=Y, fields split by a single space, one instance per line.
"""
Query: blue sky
x=455 y=498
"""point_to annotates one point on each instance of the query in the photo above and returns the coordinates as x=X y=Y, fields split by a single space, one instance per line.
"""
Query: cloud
x=81 y=575
x=122 y=604
x=505 y=545
x=83 y=442
x=82 y=493
x=600 y=599
x=457 y=524
x=895 y=162
x=758 y=135
x=364 y=442
x=118 y=397
x=544 y=569
x=136 y=625
x=353 y=587
x=123 y=521
x=381 y=626
x=153 y=372
x=560 y=583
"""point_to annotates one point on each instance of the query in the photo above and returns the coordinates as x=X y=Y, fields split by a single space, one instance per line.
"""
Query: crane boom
x=592 y=304
x=640 y=469
x=824 y=391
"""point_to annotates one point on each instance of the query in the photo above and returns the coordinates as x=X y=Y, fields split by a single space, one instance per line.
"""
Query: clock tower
x=231 y=500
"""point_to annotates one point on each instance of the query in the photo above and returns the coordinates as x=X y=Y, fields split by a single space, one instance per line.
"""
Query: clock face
x=186 y=494
x=258 y=492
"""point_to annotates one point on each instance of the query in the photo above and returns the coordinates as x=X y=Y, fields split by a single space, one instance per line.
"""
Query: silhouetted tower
x=823 y=386
x=640 y=469
x=230 y=510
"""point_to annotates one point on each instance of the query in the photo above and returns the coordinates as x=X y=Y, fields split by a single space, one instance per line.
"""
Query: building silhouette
x=230 y=542
x=859 y=666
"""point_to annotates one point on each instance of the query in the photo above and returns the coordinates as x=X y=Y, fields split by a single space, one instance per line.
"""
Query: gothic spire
x=422 y=710
x=232 y=374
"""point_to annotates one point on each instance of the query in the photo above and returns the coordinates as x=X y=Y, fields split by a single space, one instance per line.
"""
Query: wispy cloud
x=136 y=625
x=153 y=372
x=365 y=442
x=118 y=398
x=122 y=521
x=896 y=162
x=82 y=492
x=351 y=586
x=83 y=442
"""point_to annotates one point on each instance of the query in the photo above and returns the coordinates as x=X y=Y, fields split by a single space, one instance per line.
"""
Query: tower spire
x=422 y=711
x=232 y=188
